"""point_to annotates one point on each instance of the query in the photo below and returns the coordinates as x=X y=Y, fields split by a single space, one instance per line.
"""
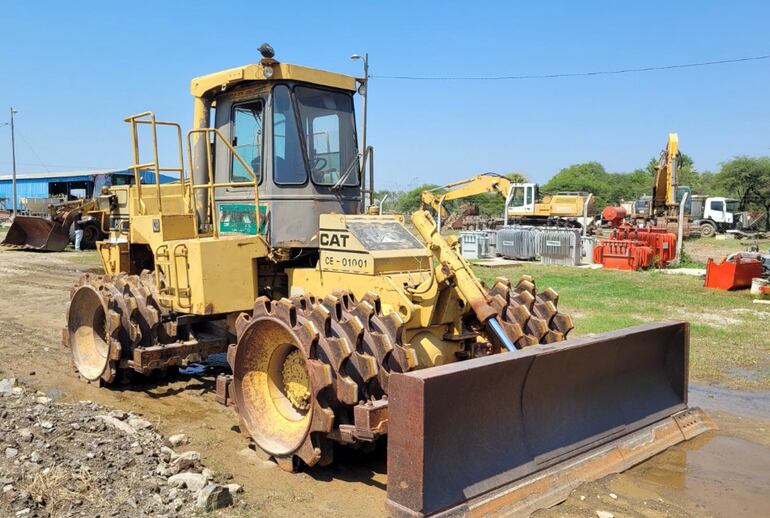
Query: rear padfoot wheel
x=107 y=318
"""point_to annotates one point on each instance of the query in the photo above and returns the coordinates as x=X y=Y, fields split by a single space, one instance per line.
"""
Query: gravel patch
x=83 y=459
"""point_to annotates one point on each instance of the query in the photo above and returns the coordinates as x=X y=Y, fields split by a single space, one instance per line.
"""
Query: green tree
x=390 y=196
x=409 y=201
x=711 y=185
x=517 y=177
x=742 y=177
x=587 y=177
x=687 y=174
x=748 y=179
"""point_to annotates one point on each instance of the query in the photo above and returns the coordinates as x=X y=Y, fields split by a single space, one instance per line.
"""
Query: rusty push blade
x=34 y=233
x=511 y=433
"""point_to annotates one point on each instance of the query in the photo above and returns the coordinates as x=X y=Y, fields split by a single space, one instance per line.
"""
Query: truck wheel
x=92 y=233
x=707 y=230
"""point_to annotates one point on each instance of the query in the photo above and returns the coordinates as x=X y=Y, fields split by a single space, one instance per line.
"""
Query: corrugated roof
x=42 y=175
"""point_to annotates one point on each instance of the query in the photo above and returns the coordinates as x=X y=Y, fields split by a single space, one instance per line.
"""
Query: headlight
x=268 y=71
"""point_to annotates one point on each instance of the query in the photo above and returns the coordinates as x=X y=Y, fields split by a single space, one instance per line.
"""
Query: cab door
x=522 y=199
x=717 y=211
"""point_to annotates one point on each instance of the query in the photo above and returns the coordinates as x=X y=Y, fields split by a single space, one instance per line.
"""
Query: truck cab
x=716 y=214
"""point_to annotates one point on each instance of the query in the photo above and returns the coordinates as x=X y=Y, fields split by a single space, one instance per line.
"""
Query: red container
x=734 y=273
x=615 y=215
x=659 y=239
x=623 y=255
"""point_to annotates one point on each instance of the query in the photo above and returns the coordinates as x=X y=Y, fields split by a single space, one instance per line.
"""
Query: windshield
x=517 y=198
x=329 y=129
x=732 y=206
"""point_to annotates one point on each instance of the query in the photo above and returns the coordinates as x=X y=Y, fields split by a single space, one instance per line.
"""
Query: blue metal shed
x=72 y=183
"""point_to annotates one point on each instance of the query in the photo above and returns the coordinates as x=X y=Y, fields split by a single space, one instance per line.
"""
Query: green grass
x=688 y=262
x=730 y=341
x=87 y=257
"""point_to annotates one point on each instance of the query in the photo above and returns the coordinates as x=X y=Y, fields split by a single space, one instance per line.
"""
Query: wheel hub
x=296 y=383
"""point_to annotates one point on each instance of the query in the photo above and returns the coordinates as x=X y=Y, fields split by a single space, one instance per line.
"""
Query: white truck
x=716 y=214
x=708 y=215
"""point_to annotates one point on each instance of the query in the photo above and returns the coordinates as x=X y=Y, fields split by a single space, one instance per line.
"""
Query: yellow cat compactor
x=342 y=325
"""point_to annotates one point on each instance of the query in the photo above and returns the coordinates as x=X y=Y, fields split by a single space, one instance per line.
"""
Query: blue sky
x=75 y=69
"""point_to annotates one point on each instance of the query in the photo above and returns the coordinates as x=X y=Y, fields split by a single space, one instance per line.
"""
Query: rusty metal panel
x=34 y=233
x=460 y=431
x=223 y=390
x=371 y=419
x=146 y=359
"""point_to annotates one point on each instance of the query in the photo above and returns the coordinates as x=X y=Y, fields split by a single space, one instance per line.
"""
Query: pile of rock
x=85 y=459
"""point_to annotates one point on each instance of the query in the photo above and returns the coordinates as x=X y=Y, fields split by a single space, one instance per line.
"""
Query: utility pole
x=363 y=90
x=13 y=158
x=364 y=96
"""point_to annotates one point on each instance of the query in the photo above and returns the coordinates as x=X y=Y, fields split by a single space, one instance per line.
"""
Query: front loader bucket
x=33 y=233
x=515 y=432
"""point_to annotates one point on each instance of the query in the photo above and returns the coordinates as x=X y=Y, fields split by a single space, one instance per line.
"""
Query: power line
x=575 y=74
x=33 y=150
x=67 y=166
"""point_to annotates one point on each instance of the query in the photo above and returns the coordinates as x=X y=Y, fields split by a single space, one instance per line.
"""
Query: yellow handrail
x=211 y=185
x=148 y=117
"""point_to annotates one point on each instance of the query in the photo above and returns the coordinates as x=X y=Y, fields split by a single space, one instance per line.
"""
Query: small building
x=67 y=184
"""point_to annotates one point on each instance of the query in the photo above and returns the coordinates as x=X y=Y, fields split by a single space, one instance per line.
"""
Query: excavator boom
x=666 y=181
x=483 y=183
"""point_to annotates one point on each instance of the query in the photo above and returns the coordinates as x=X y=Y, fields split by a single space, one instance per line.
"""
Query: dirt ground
x=699 y=250
x=723 y=474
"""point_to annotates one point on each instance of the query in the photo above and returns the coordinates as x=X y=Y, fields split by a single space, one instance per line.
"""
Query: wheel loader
x=52 y=233
x=343 y=326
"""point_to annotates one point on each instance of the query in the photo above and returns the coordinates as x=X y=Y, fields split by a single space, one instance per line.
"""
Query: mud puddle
x=720 y=475
x=725 y=473
x=749 y=403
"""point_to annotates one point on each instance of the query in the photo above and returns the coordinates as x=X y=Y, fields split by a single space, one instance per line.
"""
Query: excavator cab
x=522 y=198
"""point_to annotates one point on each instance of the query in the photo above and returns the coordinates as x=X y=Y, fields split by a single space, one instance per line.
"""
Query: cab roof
x=218 y=81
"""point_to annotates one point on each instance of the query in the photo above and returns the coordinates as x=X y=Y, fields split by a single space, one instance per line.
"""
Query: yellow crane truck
x=341 y=326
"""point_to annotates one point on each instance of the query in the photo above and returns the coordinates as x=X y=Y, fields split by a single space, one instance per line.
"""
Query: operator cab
x=522 y=198
x=295 y=128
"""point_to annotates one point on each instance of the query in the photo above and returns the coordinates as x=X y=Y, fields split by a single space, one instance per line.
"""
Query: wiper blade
x=344 y=178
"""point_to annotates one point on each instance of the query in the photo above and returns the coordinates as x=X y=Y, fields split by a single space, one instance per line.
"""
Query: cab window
x=328 y=126
x=288 y=163
x=517 y=197
x=716 y=205
x=247 y=141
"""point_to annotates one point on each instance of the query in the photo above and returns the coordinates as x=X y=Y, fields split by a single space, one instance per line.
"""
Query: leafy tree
x=517 y=177
x=587 y=177
x=686 y=172
x=390 y=196
x=409 y=201
x=629 y=186
x=742 y=175
x=711 y=185
x=748 y=179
